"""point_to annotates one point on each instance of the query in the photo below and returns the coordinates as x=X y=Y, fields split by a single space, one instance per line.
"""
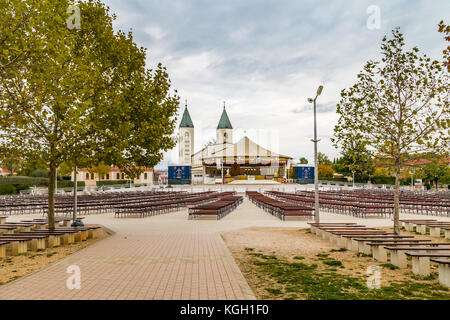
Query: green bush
x=111 y=182
x=69 y=184
x=21 y=186
x=31 y=181
x=40 y=173
x=7 y=189
x=383 y=180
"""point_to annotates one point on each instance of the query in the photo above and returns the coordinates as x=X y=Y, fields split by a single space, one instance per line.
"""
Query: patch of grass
x=299 y=258
x=297 y=280
x=339 y=250
x=249 y=249
x=389 y=266
x=273 y=291
x=322 y=255
x=333 y=262
x=430 y=277
x=360 y=254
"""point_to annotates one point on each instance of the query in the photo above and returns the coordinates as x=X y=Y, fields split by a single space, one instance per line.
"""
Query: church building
x=244 y=157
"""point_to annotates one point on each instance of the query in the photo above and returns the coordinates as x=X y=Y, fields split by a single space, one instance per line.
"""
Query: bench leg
x=360 y=246
x=444 y=274
x=422 y=229
x=398 y=258
x=381 y=253
x=421 y=266
x=435 y=232
x=447 y=234
x=3 y=251
x=354 y=245
x=366 y=248
x=342 y=242
x=349 y=243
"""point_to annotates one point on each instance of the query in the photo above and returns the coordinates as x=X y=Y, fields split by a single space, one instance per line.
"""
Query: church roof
x=245 y=148
x=224 y=122
x=186 y=121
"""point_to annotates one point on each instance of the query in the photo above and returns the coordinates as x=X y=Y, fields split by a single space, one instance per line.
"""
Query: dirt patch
x=14 y=267
x=267 y=257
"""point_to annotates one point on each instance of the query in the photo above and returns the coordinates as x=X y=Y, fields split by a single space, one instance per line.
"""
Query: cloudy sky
x=265 y=58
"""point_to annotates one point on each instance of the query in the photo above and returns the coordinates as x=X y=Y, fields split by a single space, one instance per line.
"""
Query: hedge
x=111 y=182
x=69 y=184
x=7 y=189
x=31 y=181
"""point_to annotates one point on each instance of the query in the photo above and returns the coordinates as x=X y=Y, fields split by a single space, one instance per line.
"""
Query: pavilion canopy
x=244 y=151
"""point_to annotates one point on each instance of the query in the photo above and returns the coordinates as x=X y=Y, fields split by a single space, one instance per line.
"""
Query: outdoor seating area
x=150 y=205
x=225 y=204
x=384 y=246
x=370 y=203
x=34 y=235
x=281 y=209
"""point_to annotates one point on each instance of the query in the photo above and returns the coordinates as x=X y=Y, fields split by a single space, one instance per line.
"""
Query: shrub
x=21 y=186
x=31 y=181
x=40 y=173
x=69 y=184
x=111 y=182
x=7 y=189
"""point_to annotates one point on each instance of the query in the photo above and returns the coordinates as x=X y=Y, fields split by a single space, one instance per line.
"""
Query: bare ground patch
x=291 y=263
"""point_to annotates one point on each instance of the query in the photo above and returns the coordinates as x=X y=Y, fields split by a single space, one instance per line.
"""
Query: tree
x=435 y=171
x=356 y=158
x=445 y=29
x=100 y=169
x=398 y=105
x=82 y=95
x=303 y=160
x=323 y=159
x=326 y=171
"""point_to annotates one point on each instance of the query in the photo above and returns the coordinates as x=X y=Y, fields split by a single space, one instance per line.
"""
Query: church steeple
x=186 y=138
x=224 y=122
x=186 y=121
x=224 y=132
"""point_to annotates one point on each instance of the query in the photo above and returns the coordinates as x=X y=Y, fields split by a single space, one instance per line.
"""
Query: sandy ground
x=13 y=267
x=299 y=245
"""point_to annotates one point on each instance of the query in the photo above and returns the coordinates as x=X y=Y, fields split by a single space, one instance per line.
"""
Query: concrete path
x=160 y=257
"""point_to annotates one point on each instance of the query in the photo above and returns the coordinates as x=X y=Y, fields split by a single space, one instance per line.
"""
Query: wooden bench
x=314 y=226
x=3 y=219
x=35 y=242
x=398 y=254
x=351 y=241
x=421 y=261
x=444 y=271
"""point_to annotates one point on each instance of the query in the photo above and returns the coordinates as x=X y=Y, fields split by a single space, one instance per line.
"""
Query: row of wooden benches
x=379 y=243
x=280 y=209
x=37 y=238
x=336 y=205
x=217 y=209
x=150 y=208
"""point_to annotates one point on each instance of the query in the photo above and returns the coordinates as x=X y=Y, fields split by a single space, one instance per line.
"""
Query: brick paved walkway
x=141 y=267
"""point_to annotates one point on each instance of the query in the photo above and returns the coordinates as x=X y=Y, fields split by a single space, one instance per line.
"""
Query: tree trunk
x=51 y=196
x=75 y=190
x=397 y=199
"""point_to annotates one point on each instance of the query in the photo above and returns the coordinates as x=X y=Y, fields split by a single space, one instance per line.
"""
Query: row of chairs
x=217 y=209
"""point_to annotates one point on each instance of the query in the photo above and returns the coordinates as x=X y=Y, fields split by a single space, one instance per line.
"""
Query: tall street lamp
x=316 y=162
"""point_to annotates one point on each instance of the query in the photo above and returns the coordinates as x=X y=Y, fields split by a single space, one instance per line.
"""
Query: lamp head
x=319 y=90
x=310 y=100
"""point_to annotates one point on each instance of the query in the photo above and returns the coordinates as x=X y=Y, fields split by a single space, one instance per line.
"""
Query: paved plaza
x=161 y=257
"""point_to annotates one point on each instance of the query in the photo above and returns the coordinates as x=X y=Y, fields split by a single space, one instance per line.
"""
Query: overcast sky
x=265 y=58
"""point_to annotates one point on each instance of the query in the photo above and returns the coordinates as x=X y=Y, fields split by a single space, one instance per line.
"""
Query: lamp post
x=316 y=164
x=353 y=179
